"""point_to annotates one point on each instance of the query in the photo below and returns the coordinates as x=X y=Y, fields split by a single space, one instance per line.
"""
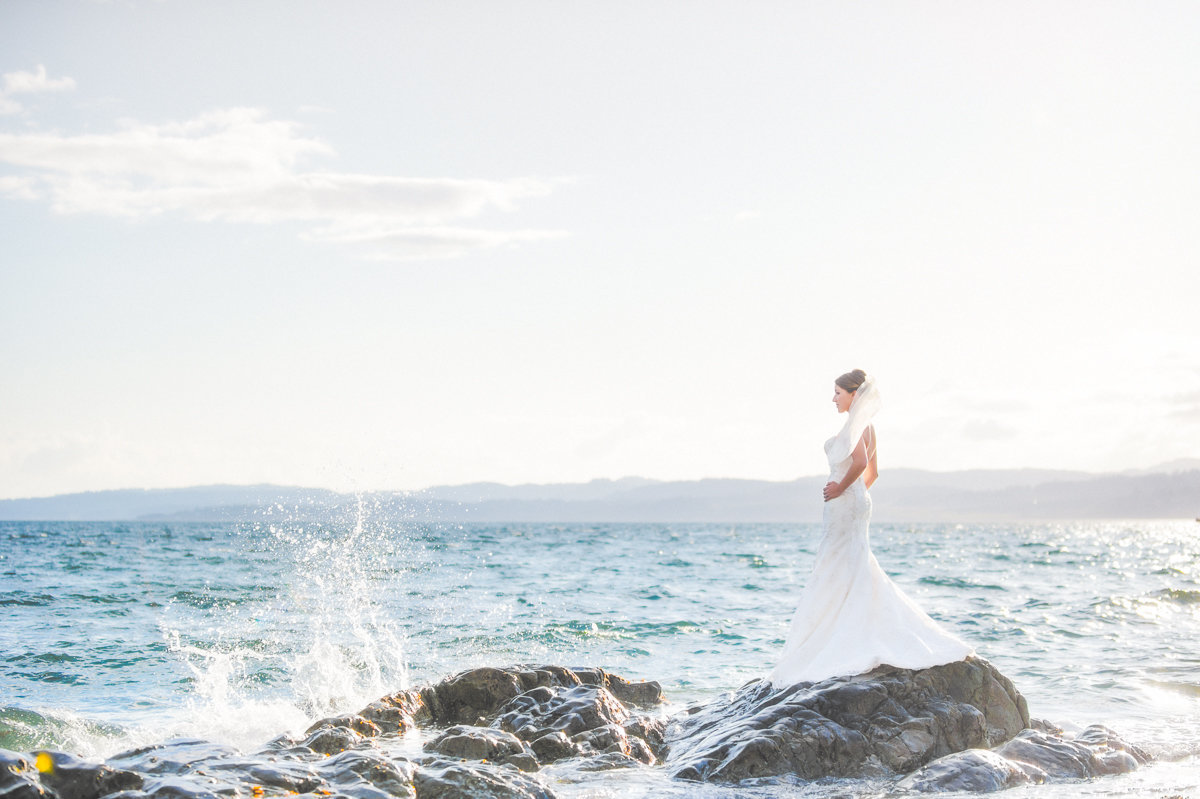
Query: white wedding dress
x=851 y=617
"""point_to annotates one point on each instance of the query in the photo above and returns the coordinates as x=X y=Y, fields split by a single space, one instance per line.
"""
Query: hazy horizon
x=394 y=245
x=1181 y=465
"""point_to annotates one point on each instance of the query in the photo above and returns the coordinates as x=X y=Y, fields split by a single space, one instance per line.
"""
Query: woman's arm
x=858 y=463
x=871 y=473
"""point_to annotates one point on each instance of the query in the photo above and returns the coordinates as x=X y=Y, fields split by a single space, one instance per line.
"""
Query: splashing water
x=229 y=633
x=311 y=644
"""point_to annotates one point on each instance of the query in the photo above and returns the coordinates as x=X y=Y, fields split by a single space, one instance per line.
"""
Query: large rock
x=552 y=713
x=976 y=770
x=1032 y=756
x=889 y=721
x=1095 y=752
x=475 y=696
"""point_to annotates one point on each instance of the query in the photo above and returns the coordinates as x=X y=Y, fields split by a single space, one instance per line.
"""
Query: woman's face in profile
x=842 y=398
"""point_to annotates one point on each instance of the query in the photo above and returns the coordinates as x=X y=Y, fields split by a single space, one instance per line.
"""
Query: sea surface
x=120 y=635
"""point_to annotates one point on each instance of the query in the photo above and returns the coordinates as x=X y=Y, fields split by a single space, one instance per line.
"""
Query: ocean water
x=118 y=635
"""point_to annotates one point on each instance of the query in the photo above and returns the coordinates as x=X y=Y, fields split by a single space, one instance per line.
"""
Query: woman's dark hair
x=852 y=380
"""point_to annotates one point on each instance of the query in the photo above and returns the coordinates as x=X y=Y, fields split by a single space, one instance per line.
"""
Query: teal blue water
x=121 y=634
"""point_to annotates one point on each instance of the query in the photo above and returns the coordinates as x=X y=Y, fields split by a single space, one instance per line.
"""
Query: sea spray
x=312 y=642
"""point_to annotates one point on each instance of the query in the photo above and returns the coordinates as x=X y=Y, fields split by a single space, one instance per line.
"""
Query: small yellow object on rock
x=44 y=762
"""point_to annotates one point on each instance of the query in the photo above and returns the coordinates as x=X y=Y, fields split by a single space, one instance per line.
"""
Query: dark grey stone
x=175 y=756
x=1034 y=755
x=978 y=770
x=70 y=777
x=369 y=776
x=484 y=743
x=351 y=721
x=1093 y=753
x=331 y=740
x=19 y=777
x=889 y=721
x=554 y=746
x=468 y=780
x=570 y=711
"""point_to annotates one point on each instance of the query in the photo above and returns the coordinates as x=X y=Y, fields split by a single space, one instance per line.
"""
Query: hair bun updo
x=851 y=381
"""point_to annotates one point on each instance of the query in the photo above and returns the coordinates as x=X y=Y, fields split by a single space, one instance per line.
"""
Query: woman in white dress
x=851 y=617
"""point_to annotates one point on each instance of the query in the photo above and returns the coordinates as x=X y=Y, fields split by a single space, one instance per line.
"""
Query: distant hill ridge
x=1168 y=491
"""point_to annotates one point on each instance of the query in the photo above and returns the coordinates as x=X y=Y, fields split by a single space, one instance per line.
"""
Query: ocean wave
x=1150 y=608
x=51 y=676
x=24 y=730
x=958 y=582
x=1188 y=688
x=104 y=599
x=620 y=630
x=25 y=599
x=1181 y=595
x=42 y=657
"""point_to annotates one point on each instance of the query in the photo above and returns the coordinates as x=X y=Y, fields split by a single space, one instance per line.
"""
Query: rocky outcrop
x=491 y=733
x=493 y=729
x=889 y=721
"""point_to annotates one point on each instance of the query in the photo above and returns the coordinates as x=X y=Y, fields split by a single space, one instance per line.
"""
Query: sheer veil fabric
x=866 y=404
x=851 y=617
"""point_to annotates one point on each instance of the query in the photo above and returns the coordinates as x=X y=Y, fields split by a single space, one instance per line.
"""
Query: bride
x=851 y=617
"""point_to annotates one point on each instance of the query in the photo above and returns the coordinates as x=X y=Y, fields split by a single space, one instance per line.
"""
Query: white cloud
x=29 y=83
x=425 y=242
x=237 y=165
x=32 y=82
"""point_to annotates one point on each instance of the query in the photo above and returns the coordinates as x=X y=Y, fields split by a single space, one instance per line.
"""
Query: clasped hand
x=832 y=490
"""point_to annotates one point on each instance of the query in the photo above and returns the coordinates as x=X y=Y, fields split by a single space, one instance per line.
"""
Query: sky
x=387 y=245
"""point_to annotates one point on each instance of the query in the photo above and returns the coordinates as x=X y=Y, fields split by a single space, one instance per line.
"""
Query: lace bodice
x=838 y=470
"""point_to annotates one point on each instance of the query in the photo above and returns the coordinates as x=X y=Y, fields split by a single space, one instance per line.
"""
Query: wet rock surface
x=487 y=732
x=1033 y=756
x=483 y=743
x=440 y=779
x=960 y=726
x=504 y=733
x=889 y=721
x=19 y=777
